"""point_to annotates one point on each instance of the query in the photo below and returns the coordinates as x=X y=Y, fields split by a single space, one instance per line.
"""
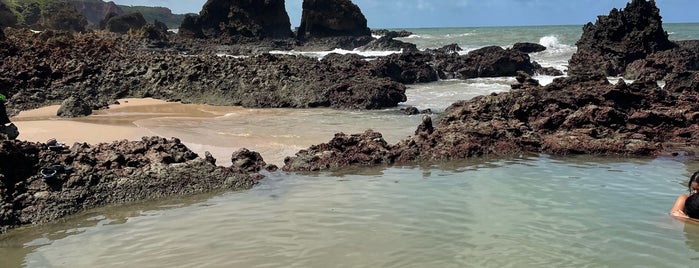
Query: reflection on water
x=537 y=211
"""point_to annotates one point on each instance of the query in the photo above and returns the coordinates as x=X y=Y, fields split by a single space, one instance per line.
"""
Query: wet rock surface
x=41 y=182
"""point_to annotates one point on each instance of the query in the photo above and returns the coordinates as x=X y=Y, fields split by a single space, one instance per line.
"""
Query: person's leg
x=3 y=114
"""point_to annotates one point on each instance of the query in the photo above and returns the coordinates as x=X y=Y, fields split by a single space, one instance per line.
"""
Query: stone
x=74 y=107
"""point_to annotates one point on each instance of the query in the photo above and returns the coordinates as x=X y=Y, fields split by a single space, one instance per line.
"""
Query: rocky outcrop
x=330 y=24
x=492 y=61
x=331 y=18
x=366 y=149
x=123 y=23
x=572 y=115
x=226 y=19
x=43 y=182
x=619 y=39
x=101 y=70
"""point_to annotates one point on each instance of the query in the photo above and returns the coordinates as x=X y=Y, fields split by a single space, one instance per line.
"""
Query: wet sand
x=108 y=125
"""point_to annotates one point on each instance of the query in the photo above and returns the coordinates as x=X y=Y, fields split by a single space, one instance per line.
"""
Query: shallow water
x=538 y=211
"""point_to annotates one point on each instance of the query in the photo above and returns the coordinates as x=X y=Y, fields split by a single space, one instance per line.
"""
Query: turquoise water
x=529 y=212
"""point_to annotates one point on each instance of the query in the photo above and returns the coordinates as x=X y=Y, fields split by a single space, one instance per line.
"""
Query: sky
x=467 y=13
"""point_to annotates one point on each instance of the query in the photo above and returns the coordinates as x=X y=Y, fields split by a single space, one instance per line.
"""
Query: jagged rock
x=366 y=149
x=528 y=47
x=239 y=18
x=39 y=185
x=619 y=39
x=247 y=161
x=123 y=23
x=330 y=18
x=74 y=107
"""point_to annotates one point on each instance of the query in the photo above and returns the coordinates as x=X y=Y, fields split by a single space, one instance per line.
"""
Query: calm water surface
x=528 y=212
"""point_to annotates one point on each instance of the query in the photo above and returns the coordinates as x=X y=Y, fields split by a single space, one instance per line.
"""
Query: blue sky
x=464 y=13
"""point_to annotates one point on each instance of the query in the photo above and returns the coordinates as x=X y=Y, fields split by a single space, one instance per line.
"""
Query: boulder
x=74 y=107
x=331 y=18
x=239 y=18
x=620 y=38
x=528 y=47
x=8 y=132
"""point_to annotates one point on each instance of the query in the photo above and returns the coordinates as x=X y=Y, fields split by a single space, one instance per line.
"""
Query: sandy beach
x=115 y=123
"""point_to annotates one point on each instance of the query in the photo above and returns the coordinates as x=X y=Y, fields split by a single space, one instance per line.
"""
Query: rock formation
x=330 y=24
x=331 y=18
x=572 y=115
x=239 y=18
x=41 y=182
x=620 y=38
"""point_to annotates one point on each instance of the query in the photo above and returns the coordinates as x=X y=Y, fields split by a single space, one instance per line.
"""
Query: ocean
x=541 y=211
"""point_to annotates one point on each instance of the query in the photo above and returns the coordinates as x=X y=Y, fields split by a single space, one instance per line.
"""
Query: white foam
x=322 y=54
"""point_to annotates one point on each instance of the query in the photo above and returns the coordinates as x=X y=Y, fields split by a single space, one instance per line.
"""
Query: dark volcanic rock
x=492 y=61
x=367 y=149
x=620 y=38
x=572 y=115
x=239 y=18
x=123 y=23
x=102 y=70
x=41 y=183
x=330 y=18
x=528 y=47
